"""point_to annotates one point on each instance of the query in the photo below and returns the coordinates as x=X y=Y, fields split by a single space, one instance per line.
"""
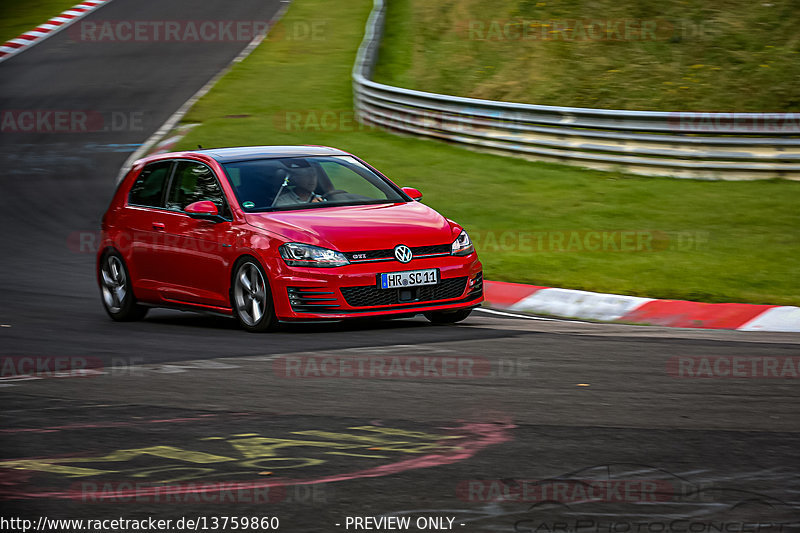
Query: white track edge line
x=515 y=315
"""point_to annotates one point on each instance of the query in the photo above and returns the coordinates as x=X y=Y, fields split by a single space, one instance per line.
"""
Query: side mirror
x=203 y=210
x=413 y=193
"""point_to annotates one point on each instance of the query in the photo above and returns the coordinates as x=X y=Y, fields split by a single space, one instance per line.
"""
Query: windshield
x=307 y=182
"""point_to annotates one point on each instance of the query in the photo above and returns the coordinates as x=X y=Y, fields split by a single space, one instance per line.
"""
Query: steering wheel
x=332 y=194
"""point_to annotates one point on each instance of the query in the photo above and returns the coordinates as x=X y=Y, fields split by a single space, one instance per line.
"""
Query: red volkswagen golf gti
x=280 y=233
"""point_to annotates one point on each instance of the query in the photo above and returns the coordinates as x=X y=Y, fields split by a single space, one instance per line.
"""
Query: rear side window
x=194 y=182
x=148 y=190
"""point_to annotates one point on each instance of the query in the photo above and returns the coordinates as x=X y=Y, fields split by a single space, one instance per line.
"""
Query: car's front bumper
x=351 y=291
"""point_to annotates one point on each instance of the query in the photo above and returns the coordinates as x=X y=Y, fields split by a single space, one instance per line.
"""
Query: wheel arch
x=101 y=254
x=243 y=256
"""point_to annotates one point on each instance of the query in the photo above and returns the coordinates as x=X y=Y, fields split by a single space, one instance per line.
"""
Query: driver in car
x=303 y=182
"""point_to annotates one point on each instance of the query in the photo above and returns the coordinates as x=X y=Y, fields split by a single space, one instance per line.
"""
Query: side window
x=195 y=182
x=149 y=186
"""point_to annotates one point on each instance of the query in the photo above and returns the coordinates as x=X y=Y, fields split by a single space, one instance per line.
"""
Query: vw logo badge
x=403 y=253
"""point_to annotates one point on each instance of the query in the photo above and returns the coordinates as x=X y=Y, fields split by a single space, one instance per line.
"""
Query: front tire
x=251 y=298
x=448 y=317
x=116 y=289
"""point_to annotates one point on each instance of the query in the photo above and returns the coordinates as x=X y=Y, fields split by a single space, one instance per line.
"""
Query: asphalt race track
x=507 y=426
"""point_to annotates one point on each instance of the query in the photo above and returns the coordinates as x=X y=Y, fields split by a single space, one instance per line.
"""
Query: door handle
x=159 y=226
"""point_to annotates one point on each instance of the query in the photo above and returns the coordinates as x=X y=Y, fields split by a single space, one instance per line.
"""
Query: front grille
x=431 y=250
x=372 y=296
x=312 y=299
x=370 y=255
x=384 y=255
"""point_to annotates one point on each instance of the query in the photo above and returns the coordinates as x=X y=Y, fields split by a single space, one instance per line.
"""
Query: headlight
x=296 y=254
x=462 y=245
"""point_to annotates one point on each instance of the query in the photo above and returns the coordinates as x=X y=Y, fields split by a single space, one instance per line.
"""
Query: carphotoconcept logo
x=623 y=525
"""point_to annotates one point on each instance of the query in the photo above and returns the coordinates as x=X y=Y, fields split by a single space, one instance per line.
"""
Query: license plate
x=410 y=278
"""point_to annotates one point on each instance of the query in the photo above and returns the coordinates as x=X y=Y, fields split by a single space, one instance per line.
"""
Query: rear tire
x=448 y=317
x=117 y=291
x=251 y=298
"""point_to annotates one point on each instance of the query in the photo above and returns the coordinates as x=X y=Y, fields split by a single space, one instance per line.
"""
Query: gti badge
x=403 y=253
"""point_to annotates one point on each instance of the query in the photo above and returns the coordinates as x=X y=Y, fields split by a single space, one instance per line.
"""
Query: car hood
x=362 y=227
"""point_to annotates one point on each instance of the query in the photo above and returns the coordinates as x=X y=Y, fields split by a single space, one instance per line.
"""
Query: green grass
x=749 y=230
x=18 y=17
x=696 y=55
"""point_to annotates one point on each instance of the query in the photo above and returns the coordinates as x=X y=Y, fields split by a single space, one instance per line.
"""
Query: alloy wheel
x=250 y=294
x=113 y=283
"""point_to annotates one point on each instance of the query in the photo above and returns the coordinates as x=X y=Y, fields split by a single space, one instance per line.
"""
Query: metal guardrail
x=730 y=146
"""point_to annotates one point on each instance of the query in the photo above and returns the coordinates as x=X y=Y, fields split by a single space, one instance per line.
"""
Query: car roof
x=244 y=153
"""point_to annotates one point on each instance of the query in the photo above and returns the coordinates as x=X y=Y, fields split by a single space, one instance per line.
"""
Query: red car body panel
x=175 y=260
x=351 y=228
